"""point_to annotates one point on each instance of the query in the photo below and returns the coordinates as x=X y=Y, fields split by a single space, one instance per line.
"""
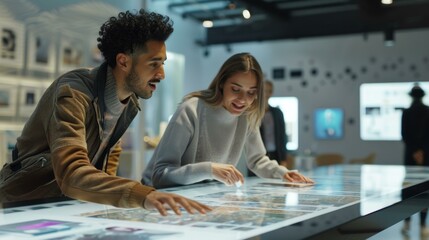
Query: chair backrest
x=329 y=159
x=370 y=159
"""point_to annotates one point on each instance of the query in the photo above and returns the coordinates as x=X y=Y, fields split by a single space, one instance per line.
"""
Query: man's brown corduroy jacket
x=54 y=154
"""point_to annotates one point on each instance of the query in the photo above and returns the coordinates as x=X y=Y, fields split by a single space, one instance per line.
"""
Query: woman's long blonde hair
x=213 y=95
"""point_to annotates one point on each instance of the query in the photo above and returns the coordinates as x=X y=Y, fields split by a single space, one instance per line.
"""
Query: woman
x=207 y=134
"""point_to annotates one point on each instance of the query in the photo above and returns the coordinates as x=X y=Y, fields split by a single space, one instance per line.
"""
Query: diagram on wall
x=41 y=52
x=97 y=57
x=11 y=44
x=7 y=100
x=29 y=96
x=71 y=55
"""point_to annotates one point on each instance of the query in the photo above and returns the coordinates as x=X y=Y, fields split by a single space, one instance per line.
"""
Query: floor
x=394 y=232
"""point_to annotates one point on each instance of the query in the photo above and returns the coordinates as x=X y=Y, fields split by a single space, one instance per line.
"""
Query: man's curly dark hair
x=129 y=33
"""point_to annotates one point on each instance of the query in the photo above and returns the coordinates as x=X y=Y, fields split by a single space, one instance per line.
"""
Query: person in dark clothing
x=273 y=130
x=415 y=134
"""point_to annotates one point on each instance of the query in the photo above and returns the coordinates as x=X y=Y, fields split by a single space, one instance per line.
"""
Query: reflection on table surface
x=258 y=207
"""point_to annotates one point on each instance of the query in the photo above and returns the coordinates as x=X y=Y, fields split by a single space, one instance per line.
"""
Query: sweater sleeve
x=257 y=160
x=170 y=167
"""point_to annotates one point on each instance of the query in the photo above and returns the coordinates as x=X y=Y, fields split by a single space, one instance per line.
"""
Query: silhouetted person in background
x=415 y=134
x=273 y=129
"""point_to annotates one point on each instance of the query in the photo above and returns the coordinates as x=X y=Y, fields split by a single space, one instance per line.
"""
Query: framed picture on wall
x=7 y=100
x=70 y=56
x=278 y=73
x=96 y=55
x=29 y=96
x=11 y=44
x=41 y=52
x=328 y=123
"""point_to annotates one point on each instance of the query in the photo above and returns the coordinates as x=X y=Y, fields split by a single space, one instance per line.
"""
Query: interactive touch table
x=347 y=202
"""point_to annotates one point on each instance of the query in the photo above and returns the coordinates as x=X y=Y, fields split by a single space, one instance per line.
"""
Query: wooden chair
x=370 y=159
x=328 y=159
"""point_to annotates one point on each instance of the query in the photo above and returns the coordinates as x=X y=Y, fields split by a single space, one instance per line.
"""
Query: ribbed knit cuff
x=281 y=171
x=138 y=195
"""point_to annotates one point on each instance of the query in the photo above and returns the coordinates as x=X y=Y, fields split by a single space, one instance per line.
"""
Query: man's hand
x=161 y=201
x=295 y=176
x=226 y=173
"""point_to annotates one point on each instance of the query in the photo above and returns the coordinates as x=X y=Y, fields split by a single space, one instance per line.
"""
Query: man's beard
x=133 y=78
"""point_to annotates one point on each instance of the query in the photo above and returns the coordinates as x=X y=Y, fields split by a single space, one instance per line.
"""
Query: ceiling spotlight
x=386 y=1
x=207 y=24
x=246 y=14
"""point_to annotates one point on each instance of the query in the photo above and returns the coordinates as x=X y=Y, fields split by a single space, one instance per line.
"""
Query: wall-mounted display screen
x=381 y=106
x=289 y=107
x=328 y=123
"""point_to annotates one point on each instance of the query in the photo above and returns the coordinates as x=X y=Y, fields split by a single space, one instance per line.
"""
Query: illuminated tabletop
x=348 y=202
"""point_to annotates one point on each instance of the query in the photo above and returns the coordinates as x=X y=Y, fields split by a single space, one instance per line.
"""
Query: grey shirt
x=199 y=134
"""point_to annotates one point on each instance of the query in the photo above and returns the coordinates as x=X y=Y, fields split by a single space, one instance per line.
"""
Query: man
x=71 y=143
x=415 y=134
x=273 y=129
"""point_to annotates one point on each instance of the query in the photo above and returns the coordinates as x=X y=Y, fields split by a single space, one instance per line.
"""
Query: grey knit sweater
x=199 y=134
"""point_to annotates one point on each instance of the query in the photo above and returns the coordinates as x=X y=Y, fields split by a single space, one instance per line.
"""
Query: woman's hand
x=163 y=201
x=226 y=173
x=295 y=176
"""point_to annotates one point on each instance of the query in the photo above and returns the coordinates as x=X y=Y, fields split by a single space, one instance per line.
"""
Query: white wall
x=326 y=54
x=183 y=41
x=335 y=55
